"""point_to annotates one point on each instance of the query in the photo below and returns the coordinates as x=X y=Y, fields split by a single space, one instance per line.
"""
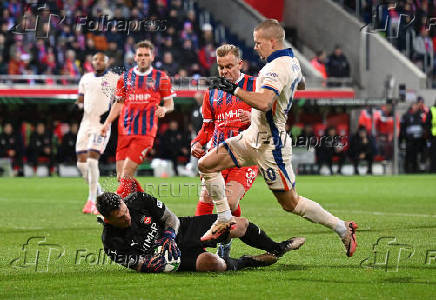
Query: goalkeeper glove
x=168 y=243
x=154 y=264
x=223 y=84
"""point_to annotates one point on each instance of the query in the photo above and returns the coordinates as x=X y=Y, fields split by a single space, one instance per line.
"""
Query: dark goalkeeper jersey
x=126 y=245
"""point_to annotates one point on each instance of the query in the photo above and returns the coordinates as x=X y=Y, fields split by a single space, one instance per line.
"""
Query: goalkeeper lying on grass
x=141 y=233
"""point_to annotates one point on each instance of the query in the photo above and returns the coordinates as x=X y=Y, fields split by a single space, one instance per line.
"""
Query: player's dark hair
x=107 y=203
x=106 y=58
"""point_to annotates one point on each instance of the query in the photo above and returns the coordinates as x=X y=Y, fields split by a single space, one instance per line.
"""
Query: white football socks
x=94 y=174
x=216 y=188
x=83 y=168
x=314 y=212
x=99 y=189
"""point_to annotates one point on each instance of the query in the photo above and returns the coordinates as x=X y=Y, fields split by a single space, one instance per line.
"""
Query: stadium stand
x=41 y=74
x=408 y=27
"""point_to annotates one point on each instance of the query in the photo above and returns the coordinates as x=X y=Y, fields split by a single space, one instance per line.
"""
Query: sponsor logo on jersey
x=229 y=114
x=250 y=175
x=151 y=235
x=271 y=74
x=146 y=220
x=139 y=97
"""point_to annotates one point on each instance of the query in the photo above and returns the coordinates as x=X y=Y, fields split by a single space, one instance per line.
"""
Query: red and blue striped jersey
x=221 y=113
x=142 y=93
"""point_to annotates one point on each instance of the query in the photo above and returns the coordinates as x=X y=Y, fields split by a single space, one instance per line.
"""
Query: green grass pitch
x=398 y=212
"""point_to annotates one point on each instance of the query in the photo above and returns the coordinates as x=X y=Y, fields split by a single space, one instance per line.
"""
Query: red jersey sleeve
x=165 y=88
x=205 y=134
x=206 y=109
x=206 y=131
x=120 y=92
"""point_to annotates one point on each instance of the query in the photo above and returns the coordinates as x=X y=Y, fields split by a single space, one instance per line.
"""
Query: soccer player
x=136 y=225
x=138 y=95
x=224 y=116
x=95 y=100
x=265 y=142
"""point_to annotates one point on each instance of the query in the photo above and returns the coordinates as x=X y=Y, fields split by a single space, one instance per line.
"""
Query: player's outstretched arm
x=114 y=113
x=262 y=100
x=203 y=136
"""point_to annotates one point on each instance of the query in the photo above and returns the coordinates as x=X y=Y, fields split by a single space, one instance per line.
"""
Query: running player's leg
x=135 y=154
x=119 y=168
x=96 y=147
x=205 y=204
x=82 y=150
x=312 y=211
x=234 y=192
x=82 y=164
x=275 y=165
x=233 y=152
x=94 y=173
x=209 y=167
x=238 y=182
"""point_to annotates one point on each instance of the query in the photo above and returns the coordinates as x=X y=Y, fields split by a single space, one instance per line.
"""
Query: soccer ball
x=171 y=265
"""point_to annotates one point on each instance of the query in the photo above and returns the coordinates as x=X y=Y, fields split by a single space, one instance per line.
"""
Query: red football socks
x=237 y=212
x=207 y=209
x=204 y=208
x=128 y=186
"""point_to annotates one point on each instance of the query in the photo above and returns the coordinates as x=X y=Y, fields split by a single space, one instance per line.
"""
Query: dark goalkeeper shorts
x=188 y=239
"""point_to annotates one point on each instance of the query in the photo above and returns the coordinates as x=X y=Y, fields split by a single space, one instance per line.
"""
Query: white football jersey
x=281 y=74
x=98 y=92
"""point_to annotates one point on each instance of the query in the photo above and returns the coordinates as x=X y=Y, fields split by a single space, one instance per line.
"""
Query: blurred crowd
x=184 y=45
x=409 y=27
x=330 y=138
x=373 y=139
x=335 y=65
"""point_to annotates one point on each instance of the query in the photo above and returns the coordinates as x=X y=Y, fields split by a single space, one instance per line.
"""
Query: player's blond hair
x=271 y=28
x=225 y=49
x=145 y=44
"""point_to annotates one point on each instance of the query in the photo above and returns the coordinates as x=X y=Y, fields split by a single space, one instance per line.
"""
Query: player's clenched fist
x=104 y=129
x=197 y=150
x=244 y=116
x=160 y=111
